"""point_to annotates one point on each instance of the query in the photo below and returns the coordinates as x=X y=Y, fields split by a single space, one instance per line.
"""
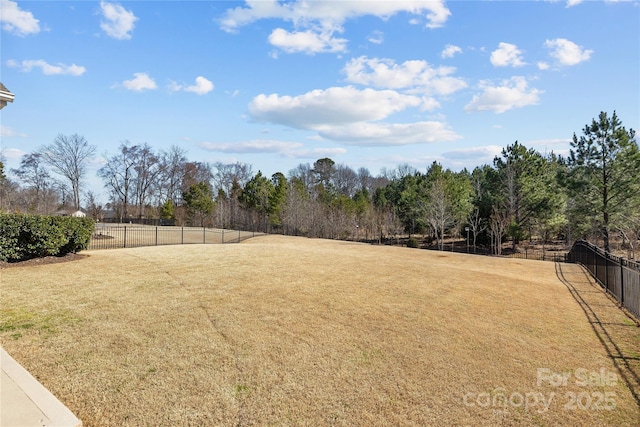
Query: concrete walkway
x=24 y=402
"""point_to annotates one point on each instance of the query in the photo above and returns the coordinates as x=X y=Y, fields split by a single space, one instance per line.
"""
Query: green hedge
x=25 y=237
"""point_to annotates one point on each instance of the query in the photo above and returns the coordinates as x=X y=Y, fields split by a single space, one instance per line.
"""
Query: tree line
x=593 y=193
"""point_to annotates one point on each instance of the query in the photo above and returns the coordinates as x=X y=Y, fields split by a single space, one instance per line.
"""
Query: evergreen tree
x=199 y=201
x=528 y=188
x=604 y=175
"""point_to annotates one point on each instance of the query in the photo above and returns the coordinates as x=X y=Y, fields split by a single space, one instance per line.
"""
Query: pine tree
x=604 y=176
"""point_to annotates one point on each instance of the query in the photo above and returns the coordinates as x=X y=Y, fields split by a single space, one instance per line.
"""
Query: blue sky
x=273 y=84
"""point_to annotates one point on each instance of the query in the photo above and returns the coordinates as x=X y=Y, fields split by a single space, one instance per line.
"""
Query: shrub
x=78 y=233
x=39 y=237
x=412 y=243
x=9 y=232
x=24 y=237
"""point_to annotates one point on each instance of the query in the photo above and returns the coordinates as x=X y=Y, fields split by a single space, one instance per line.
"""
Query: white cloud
x=481 y=154
x=378 y=134
x=140 y=82
x=470 y=157
x=429 y=104
x=543 y=65
x=7 y=132
x=558 y=146
x=118 y=22
x=316 y=22
x=450 y=51
x=17 y=21
x=255 y=146
x=315 y=153
x=414 y=74
x=377 y=37
x=309 y=41
x=350 y=116
x=174 y=86
x=506 y=55
x=513 y=93
x=255 y=10
x=336 y=105
x=331 y=14
x=48 y=69
x=283 y=148
x=571 y=3
x=201 y=87
x=12 y=153
x=566 y=52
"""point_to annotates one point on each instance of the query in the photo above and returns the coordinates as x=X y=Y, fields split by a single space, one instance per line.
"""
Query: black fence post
x=595 y=263
x=156 y=235
x=125 y=236
x=621 y=283
x=204 y=235
x=606 y=271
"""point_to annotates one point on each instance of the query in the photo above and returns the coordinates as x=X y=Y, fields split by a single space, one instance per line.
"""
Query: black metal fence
x=114 y=236
x=619 y=276
x=538 y=254
x=552 y=254
x=140 y=221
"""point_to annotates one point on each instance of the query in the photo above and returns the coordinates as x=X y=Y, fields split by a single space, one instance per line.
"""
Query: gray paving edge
x=37 y=403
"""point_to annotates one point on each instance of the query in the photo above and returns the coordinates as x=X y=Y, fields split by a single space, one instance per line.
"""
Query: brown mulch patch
x=42 y=261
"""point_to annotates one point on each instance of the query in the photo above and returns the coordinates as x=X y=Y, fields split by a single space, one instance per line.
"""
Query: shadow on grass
x=618 y=334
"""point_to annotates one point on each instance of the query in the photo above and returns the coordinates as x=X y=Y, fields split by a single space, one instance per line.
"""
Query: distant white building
x=64 y=212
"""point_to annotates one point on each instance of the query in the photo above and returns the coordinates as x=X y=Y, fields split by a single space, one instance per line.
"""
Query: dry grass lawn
x=293 y=331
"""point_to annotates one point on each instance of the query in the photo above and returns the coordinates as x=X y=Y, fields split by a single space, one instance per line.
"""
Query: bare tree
x=8 y=194
x=68 y=156
x=476 y=225
x=148 y=169
x=118 y=175
x=365 y=179
x=94 y=209
x=498 y=228
x=405 y=169
x=172 y=167
x=304 y=175
x=35 y=176
x=228 y=181
x=346 y=180
x=438 y=211
x=228 y=174
x=62 y=188
x=630 y=233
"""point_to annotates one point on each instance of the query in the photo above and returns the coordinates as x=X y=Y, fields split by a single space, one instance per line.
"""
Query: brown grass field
x=291 y=331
